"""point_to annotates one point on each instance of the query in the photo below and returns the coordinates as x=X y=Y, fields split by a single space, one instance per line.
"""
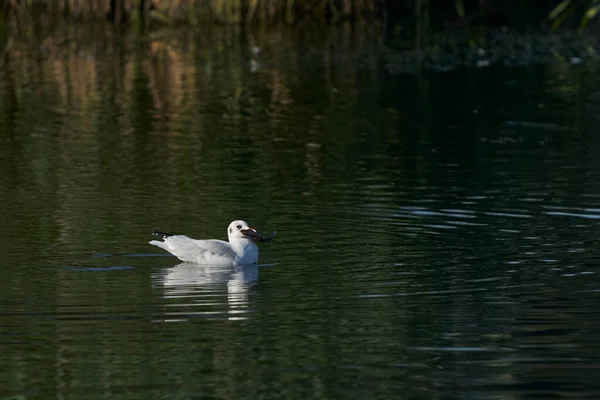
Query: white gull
x=240 y=250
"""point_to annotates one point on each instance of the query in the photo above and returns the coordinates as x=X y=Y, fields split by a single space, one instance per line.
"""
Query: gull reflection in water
x=196 y=291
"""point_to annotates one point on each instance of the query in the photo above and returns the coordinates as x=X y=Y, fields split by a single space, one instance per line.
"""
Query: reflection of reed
x=105 y=112
x=81 y=70
x=167 y=73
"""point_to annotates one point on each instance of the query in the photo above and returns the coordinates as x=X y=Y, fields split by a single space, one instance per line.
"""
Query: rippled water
x=436 y=233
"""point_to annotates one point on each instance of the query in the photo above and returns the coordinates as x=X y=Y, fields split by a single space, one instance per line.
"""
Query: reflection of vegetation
x=492 y=47
x=131 y=107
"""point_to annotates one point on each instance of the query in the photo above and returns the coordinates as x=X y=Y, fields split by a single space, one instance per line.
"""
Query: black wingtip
x=162 y=234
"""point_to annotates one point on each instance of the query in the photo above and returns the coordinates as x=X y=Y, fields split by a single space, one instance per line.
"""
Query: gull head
x=239 y=230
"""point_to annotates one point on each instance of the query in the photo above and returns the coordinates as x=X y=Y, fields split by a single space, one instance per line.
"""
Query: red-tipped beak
x=252 y=234
x=257 y=237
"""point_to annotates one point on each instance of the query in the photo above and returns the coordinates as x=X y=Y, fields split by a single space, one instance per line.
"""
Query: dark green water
x=437 y=232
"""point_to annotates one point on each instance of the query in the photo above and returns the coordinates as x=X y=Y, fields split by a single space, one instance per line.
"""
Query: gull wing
x=198 y=251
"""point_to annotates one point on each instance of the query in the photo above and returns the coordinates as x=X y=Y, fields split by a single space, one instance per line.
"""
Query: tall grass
x=582 y=11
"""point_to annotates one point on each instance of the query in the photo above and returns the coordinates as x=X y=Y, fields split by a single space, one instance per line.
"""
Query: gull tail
x=158 y=243
x=163 y=235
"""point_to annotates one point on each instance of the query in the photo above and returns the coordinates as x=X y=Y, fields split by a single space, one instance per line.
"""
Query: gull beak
x=254 y=235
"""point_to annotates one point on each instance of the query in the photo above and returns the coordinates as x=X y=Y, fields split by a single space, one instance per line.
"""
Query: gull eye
x=239 y=227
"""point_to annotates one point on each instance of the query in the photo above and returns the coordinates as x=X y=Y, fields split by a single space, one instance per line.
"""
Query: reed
x=580 y=11
x=199 y=11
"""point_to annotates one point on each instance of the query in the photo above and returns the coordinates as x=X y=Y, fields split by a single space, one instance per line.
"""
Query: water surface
x=436 y=231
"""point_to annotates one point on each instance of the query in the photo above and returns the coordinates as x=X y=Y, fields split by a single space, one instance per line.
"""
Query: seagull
x=240 y=250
